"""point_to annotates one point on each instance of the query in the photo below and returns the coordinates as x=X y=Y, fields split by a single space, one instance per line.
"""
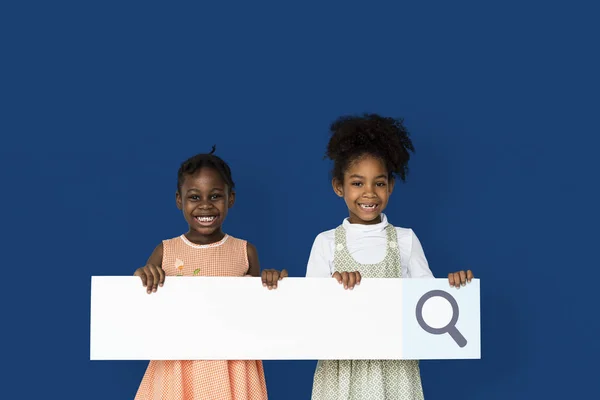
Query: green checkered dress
x=367 y=379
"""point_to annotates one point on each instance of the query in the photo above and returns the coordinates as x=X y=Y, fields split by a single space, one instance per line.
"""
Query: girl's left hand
x=456 y=279
x=270 y=277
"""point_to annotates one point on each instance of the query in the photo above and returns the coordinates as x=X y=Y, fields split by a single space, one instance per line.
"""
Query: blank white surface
x=237 y=318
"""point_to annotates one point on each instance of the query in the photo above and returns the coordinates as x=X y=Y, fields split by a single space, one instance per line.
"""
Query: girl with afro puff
x=369 y=154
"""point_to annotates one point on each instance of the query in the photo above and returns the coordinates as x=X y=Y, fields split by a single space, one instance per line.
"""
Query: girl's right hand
x=152 y=277
x=349 y=279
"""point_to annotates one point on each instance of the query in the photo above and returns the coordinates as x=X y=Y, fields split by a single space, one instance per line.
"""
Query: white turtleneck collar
x=356 y=228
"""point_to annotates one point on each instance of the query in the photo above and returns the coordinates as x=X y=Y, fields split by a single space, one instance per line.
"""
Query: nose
x=369 y=191
x=204 y=204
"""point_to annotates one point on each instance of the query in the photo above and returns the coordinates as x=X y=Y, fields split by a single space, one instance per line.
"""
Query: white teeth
x=368 y=205
x=205 y=219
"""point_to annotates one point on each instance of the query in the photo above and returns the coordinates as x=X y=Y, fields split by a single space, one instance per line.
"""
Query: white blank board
x=214 y=318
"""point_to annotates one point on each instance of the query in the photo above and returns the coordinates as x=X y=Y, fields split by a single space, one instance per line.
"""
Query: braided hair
x=195 y=163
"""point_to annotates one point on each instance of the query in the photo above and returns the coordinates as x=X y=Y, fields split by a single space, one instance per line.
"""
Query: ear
x=338 y=187
x=391 y=184
x=231 y=199
x=178 y=200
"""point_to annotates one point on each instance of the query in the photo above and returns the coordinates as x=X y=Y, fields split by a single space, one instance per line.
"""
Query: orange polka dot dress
x=199 y=379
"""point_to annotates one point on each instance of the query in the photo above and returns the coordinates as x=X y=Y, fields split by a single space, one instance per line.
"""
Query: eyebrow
x=362 y=177
x=212 y=190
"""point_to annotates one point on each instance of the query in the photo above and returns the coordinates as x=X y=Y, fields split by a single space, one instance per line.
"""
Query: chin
x=207 y=231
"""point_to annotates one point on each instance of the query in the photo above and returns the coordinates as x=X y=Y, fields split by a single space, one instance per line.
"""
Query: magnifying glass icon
x=450 y=328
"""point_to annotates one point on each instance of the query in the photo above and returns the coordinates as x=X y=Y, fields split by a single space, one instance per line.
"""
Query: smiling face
x=204 y=199
x=366 y=190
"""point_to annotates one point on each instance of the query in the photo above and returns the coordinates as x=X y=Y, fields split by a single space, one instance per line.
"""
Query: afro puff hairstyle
x=354 y=137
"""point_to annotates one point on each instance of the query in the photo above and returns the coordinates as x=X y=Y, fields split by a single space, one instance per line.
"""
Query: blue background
x=101 y=101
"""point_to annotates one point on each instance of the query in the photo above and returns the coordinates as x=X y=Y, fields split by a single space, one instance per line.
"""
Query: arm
x=418 y=267
x=318 y=261
x=253 y=263
x=319 y=265
x=270 y=277
x=157 y=256
x=152 y=274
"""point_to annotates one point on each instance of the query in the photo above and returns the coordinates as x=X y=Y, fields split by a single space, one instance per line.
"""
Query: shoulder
x=406 y=238
x=232 y=240
x=171 y=241
x=241 y=243
x=404 y=233
x=232 y=243
x=237 y=247
x=326 y=236
x=324 y=242
x=323 y=246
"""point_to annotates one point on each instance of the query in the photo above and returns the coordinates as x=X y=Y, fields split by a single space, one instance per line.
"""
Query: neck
x=355 y=220
x=200 y=239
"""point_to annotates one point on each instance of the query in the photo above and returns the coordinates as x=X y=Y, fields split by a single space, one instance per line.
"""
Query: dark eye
x=380 y=184
x=215 y=196
x=356 y=183
x=194 y=197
